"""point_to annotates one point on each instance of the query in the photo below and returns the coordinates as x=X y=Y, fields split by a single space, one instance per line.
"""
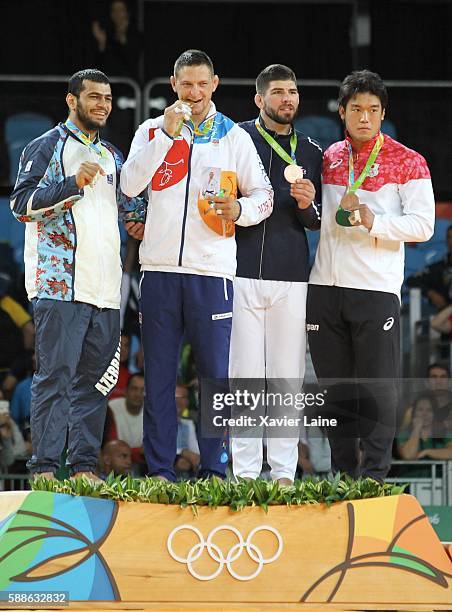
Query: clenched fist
x=87 y=174
x=174 y=116
x=226 y=206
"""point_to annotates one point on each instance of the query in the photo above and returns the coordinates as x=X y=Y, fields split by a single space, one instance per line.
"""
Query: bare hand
x=303 y=191
x=423 y=453
x=99 y=34
x=226 y=207
x=135 y=229
x=174 y=115
x=367 y=216
x=87 y=174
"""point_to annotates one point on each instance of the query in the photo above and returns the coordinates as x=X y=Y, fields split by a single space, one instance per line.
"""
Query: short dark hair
x=440 y=366
x=135 y=375
x=274 y=72
x=362 y=81
x=75 y=84
x=192 y=57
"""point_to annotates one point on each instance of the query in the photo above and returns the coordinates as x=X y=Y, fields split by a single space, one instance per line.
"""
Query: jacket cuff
x=240 y=213
x=166 y=134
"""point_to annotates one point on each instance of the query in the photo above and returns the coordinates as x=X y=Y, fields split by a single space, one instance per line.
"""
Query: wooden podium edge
x=250 y=604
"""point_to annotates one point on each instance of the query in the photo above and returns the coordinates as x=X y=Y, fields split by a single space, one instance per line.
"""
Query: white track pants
x=268 y=341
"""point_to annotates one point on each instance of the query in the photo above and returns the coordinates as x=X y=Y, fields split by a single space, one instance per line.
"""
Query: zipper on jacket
x=101 y=260
x=187 y=190
x=265 y=220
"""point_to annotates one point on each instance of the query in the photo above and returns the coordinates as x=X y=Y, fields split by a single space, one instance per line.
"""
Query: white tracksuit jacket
x=182 y=233
x=398 y=190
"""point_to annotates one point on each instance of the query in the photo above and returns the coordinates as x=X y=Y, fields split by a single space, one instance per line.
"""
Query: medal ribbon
x=352 y=184
x=277 y=148
x=97 y=147
x=202 y=131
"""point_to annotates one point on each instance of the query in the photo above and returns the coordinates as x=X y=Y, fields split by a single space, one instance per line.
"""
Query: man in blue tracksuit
x=67 y=193
x=188 y=253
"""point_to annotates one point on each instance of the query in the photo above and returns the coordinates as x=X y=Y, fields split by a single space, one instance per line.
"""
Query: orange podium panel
x=378 y=553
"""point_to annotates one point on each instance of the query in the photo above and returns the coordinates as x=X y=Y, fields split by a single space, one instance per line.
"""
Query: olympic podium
x=379 y=553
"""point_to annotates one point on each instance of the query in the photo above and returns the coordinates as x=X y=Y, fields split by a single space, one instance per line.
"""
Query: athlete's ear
x=383 y=114
x=173 y=82
x=71 y=101
x=341 y=111
x=216 y=80
x=258 y=101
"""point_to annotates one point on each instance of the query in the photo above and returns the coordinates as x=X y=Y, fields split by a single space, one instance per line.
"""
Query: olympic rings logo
x=217 y=555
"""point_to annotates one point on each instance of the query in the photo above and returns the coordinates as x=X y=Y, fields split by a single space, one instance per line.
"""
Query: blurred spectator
x=119 y=45
x=439 y=385
x=124 y=374
x=130 y=287
x=442 y=321
x=187 y=460
x=436 y=280
x=21 y=400
x=17 y=334
x=424 y=438
x=125 y=419
x=116 y=457
x=12 y=444
x=6 y=437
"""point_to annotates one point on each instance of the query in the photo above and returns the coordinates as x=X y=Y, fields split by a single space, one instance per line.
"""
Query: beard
x=278 y=117
x=91 y=125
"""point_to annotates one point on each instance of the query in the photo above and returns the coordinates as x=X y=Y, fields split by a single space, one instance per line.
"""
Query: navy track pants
x=201 y=307
x=77 y=360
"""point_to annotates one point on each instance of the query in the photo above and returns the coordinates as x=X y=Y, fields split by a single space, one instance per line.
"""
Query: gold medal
x=293 y=172
x=349 y=201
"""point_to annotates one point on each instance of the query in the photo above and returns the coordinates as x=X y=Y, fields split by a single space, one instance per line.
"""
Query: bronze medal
x=293 y=172
x=349 y=201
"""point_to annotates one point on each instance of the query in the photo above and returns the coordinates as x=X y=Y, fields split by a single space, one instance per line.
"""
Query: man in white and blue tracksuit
x=67 y=192
x=188 y=254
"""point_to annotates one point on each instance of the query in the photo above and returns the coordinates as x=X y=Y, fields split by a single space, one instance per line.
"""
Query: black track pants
x=355 y=334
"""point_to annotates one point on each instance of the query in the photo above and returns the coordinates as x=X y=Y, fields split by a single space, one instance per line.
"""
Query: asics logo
x=335 y=164
x=215 y=552
x=389 y=323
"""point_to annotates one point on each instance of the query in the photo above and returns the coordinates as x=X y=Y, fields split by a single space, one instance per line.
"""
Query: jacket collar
x=272 y=132
x=367 y=147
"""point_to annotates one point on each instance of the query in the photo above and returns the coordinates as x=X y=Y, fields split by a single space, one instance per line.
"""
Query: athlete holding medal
x=268 y=342
x=188 y=254
x=354 y=289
